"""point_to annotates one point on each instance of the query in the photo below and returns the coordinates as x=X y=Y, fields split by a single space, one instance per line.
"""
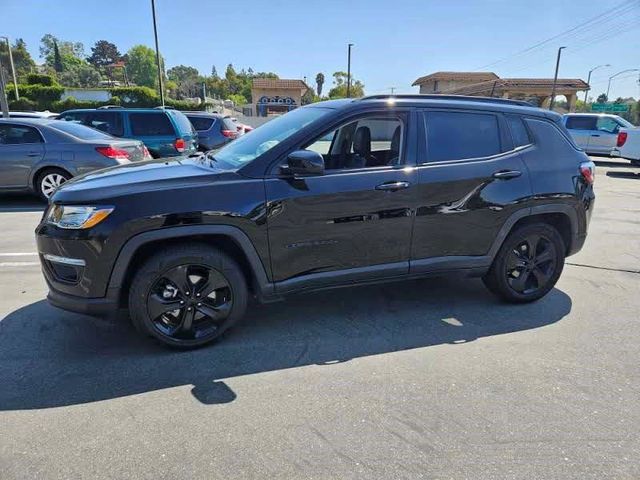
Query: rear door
x=470 y=180
x=21 y=147
x=581 y=127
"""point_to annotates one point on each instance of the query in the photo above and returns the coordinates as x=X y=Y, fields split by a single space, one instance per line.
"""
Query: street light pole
x=155 y=33
x=619 y=73
x=586 y=92
x=13 y=68
x=4 y=105
x=349 y=70
x=555 y=79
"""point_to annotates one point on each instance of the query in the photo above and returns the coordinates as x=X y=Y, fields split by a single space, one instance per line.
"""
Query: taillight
x=145 y=152
x=588 y=171
x=112 y=152
x=622 y=137
x=179 y=144
x=229 y=133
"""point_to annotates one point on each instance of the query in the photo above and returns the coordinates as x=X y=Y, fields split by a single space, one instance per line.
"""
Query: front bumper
x=97 y=307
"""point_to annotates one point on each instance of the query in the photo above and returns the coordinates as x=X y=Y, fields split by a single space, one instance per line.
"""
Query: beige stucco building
x=276 y=96
x=490 y=85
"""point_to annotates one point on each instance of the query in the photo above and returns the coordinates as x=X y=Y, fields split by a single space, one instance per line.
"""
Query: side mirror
x=304 y=163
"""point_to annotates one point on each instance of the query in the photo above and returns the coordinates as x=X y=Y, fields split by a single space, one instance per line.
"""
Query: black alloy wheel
x=189 y=302
x=531 y=264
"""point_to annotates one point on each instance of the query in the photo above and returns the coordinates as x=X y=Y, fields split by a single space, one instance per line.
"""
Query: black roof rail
x=466 y=98
x=108 y=107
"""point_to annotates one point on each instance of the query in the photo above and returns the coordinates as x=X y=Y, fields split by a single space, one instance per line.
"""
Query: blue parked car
x=165 y=132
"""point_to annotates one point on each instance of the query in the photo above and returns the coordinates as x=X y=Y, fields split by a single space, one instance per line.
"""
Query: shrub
x=22 y=104
x=41 y=95
x=71 y=103
x=136 y=96
x=183 y=105
x=41 y=79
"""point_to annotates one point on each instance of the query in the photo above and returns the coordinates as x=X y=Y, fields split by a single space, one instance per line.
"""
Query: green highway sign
x=609 y=107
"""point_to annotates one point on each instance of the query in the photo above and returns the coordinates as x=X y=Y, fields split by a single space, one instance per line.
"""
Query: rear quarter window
x=201 y=123
x=183 y=123
x=519 y=133
x=151 y=124
x=228 y=124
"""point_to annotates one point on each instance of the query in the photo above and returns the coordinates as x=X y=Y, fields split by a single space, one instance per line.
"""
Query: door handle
x=393 y=186
x=595 y=135
x=507 y=174
x=33 y=154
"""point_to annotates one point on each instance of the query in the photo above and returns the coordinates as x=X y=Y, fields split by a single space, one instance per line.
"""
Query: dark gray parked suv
x=214 y=130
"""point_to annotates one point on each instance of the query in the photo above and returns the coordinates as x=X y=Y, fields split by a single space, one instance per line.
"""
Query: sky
x=395 y=42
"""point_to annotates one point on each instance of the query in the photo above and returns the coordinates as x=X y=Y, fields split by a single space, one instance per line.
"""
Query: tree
x=319 y=83
x=141 y=66
x=602 y=98
x=48 y=43
x=57 y=58
x=103 y=53
x=619 y=100
x=214 y=72
x=22 y=60
x=187 y=80
x=340 y=86
x=80 y=75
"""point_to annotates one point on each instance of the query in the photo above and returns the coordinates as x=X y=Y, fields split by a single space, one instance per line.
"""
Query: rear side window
x=201 y=123
x=80 y=131
x=18 y=134
x=107 y=122
x=459 y=136
x=519 y=133
x=77 y=117
x=150 y=124
x=581 y=123
x=184 y=125
x=607 y=124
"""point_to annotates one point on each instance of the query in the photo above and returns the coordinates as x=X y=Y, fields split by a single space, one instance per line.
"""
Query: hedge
x=41 y=79
x=41 y=95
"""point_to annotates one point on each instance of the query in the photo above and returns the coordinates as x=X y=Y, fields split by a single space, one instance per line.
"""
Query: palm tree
x=319 y=83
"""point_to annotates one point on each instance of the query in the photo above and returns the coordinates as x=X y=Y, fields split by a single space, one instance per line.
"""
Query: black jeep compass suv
x=336 y=193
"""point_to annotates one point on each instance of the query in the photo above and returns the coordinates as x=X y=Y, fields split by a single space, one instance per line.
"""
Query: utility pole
x=349 y=70
x=4 y=105
x=13 y=68
x=619 y=73
x=393 y=89
x=555 y=79
x=155 y=33
x=586 y=92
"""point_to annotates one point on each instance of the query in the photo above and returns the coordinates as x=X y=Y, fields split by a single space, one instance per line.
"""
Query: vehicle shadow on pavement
x=51 y=358
x=632 y=175
x=21 y=203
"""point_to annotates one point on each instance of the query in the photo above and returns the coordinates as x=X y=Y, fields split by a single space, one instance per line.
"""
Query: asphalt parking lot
x=427 y=379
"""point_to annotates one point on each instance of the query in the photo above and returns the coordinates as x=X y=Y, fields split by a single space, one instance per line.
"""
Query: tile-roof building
x=276 y=96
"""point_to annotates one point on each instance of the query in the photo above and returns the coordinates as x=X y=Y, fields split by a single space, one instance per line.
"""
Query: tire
x=525 y=270
x=48 y=180
x=165 y=303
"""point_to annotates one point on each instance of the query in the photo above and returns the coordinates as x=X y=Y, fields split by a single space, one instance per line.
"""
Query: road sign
x=609 y=107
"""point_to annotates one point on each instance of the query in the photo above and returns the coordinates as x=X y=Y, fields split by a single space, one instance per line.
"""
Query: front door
x=354 y=221
x=21 y=147
x=470 y=180
x=605 y=137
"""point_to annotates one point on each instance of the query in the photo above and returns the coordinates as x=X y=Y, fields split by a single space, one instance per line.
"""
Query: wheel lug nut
x=186 y=293
x=199 y=305
x=181 y=302
x=197 y=294
x=188 y=309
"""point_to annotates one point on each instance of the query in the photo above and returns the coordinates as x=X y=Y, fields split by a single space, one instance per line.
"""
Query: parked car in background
x=421 y=185
x=628 y=145
x=214 y=130
x=39 y=155
x=165 y=132
x=44 y=114
x=596 y=133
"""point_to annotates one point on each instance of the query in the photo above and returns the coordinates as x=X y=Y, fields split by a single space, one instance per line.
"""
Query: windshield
x=248 y=147
x=79 y=131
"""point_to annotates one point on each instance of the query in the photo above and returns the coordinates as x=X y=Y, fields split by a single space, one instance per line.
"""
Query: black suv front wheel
x=187 y=295
x=528 y=264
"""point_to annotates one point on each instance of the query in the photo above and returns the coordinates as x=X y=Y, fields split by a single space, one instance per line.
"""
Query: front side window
x=461 y=135
x=366 y=142
x=150 y=124
x=248 y=147
x=581 y=123
x=18 y=134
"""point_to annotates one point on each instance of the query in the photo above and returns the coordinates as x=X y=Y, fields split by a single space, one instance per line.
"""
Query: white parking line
x=18 y=264
x=19 y=254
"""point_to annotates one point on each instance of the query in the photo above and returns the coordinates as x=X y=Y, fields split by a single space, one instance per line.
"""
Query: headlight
x=75 y=217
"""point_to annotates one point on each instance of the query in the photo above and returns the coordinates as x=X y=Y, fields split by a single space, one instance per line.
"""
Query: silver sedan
x=38 y=155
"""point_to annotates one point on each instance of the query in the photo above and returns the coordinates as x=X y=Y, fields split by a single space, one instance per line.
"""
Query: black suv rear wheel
x=188 y=295
x=528 y=264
